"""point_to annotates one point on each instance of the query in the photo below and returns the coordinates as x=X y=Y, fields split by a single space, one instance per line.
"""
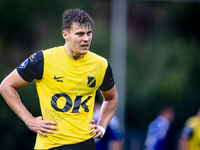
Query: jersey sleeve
x=32 y=67
x=108 y=81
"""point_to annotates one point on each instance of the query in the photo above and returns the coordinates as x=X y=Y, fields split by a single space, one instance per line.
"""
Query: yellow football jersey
x=192 y=131
x=66 y=90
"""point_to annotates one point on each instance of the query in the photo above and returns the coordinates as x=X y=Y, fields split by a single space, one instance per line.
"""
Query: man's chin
x=83 y=52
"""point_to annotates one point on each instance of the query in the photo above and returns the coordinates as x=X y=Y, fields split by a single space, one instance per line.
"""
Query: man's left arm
x=108 y=109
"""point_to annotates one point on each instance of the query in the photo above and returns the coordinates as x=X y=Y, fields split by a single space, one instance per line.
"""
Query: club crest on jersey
x=91 y=82
x=23 y=65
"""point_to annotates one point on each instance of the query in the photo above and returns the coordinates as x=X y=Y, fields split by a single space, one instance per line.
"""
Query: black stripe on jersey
x=108 y=81
x=34 y=67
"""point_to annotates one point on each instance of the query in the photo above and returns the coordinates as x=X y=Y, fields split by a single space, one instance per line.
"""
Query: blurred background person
x=190 y=136
x=112 y=139
x=158 y=131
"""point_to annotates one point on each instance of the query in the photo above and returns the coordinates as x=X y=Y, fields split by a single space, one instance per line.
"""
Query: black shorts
x=86 y=145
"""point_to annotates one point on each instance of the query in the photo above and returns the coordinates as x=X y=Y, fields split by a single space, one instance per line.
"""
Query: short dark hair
x=71 y=16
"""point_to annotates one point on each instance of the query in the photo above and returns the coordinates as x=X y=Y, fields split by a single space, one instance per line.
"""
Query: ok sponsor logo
x=68 y=105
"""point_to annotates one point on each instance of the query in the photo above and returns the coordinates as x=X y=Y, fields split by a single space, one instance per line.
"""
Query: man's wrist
x=102 y=130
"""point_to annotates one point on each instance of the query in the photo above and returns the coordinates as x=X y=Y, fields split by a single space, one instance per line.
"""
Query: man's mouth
x=85 y=46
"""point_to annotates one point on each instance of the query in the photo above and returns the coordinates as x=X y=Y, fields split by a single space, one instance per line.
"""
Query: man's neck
x=71 y=54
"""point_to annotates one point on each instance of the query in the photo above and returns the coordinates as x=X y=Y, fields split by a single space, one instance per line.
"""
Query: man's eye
x=80 y=34
x=89 y=33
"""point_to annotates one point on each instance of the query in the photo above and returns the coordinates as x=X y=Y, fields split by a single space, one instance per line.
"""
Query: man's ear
x=65 y=34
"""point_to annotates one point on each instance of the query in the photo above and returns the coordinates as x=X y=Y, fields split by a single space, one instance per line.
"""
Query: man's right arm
x=8 y=90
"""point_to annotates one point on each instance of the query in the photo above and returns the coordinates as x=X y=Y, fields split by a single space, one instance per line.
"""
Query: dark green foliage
x=163 y=65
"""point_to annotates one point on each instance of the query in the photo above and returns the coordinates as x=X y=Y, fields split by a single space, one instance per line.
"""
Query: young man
x=67 y=78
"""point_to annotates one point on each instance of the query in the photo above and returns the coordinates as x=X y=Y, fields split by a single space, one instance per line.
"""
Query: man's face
x=78 y=39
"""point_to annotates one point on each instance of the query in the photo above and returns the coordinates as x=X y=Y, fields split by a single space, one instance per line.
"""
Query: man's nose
x=86 y=37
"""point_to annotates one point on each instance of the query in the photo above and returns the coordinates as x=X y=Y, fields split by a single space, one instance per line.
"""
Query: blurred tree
x=163 y=61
